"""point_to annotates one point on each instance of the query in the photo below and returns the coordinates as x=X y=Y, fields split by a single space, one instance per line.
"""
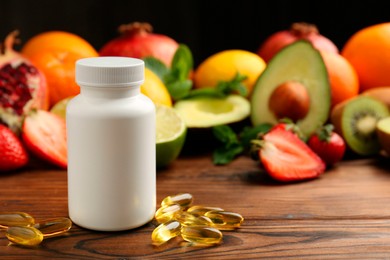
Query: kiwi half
x=356 y=120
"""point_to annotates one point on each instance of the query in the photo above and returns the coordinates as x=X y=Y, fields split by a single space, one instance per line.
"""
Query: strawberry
x=12 y=153
x=44 y=134
x=328 y=145
x=287 y=158
x=289 y=125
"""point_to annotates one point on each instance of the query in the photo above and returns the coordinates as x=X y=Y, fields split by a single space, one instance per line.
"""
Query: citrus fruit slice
x=155 y=89
x=60 y=107
x=170 y=135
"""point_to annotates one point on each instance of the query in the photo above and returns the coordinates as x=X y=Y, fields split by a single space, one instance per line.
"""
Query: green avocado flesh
x=206 y=112
x=297 y=62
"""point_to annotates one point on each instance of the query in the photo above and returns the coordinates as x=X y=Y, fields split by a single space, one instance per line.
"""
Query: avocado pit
x=290 y=100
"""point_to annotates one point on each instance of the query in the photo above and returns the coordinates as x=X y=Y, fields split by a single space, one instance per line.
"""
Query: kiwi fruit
x=383 y=131
x=355 y=119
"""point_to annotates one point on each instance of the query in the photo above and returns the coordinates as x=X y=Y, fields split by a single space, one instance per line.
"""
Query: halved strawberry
x=44 y=134
x=287 y=158
x=12 y=153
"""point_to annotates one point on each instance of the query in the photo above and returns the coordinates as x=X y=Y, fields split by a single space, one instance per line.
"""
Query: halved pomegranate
x=22 y=86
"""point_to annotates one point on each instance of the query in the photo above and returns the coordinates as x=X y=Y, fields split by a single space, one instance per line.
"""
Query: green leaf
x=325 y=132
x=250 y=133
x=234 y=85
x=224 y=155
x=225 y=134
x=230 y=146
x=179 y=89
x=157 y=66
x=204 y=92
x=182 y=63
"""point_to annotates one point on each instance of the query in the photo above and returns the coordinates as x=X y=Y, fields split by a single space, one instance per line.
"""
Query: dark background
x=205 y=26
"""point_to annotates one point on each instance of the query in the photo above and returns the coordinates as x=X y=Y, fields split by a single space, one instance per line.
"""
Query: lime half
x=170 y=135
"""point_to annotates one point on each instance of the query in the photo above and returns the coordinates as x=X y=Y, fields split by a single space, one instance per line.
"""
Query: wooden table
x=343 y=214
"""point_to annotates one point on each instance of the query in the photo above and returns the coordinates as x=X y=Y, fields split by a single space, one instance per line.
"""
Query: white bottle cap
x=109 y=71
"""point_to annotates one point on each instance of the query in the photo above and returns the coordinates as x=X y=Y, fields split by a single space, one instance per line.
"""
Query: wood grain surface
x=343 y=214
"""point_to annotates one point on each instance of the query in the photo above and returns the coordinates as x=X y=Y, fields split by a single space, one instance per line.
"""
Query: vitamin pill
x=199 y=210
x=188 y=219
x=28 y=236
x=54 y=227
x=201 y=235
x=182 y=199
x=166 y=213
x=224 y=220
x=11 y=219
x=165 y=232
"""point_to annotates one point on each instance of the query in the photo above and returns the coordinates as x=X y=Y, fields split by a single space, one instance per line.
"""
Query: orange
x=224 y=65
x=368 y=50
x=55 y=54
x=343 y=79
x=155 y=89
x=58 y=40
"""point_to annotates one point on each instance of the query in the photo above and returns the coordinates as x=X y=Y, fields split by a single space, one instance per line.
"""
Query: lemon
x=170 y=135
x=155 y=89
x=60 y=107
x=224 y=65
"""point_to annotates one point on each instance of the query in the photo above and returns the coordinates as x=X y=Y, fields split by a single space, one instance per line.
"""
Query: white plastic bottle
x=111 y=146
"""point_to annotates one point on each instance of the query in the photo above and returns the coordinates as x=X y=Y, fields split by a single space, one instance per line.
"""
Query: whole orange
x=55 y=54
x=343 y=79
x=368 y=50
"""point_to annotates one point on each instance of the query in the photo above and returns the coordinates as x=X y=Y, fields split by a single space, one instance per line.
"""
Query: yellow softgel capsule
x=165 y=232
x=166 y=213
x=182 y=199
x=52 y=227
x=201 y=235
x=11 y=219
x=188 y=219
x=225 y=220
x=27 y=236
x=200 y=210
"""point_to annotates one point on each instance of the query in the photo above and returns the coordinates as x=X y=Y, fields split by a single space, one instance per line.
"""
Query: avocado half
x=205 y=112
x=298 y=62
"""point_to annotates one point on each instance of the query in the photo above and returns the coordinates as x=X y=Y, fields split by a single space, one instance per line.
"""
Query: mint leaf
x=204 y=92
x=176 y=79
x=182 y=63
x=225 y=134
x=223 y=88
x=179 y=89
x=224 y=155
x=234 y=85
x=157 y=66
x=250 y=133
x=230 y=148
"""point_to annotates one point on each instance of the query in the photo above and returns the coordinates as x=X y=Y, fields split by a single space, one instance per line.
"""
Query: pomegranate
x=297 y=31
x=138 y=41
x=22 y=86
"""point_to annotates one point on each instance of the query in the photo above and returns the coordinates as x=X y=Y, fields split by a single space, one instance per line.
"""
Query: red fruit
x=287 y=158
x=44 y=134
x=298 y=31
x=22 y=86
x=12 y=153
x=288 y=125
x=138 y=41
x=328 y=145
